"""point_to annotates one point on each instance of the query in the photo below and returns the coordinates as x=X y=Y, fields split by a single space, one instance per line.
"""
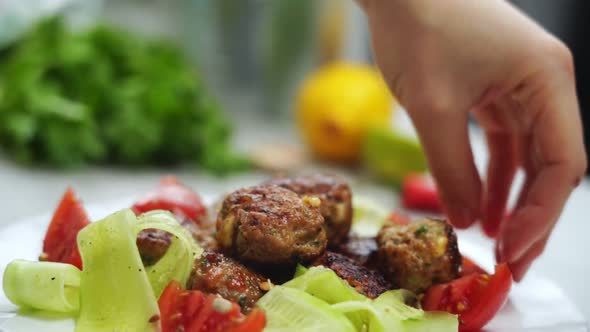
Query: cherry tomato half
x=476 y=298
x=175 y=197
x=419 y=193
x=193 y=311
x=60 y=243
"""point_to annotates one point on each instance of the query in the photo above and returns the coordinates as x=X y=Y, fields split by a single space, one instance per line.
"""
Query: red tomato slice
x=469 y=267
x=170 y=305
x=399 y=218
x=255 y=321
x=217 y=313
x=419 y=193
x=476 y=298
x=175 y=197
x=60 y=244
x=192 y=311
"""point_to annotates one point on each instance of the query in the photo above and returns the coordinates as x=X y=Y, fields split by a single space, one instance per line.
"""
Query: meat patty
x=366 y=281
x=361 y=249
x=153 y=243
x=217 y=274
x=336 y=202
x=418 y=255
x=270 y=225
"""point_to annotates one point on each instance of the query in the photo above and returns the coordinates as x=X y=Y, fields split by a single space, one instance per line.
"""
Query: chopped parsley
x=422 y=230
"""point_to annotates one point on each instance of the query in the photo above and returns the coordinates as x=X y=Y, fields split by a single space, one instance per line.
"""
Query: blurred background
x=101 y=91
x=153 y=82
x=107 y=96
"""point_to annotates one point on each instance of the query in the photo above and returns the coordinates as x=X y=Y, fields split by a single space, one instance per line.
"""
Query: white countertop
x=28 y=192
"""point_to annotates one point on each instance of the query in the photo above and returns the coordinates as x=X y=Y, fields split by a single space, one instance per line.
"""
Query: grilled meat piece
x=153 y=243
x=336 y=202
x=366 y=281
x=418 y=255
x=361 y=249
x=217 y=274
x=270 y=225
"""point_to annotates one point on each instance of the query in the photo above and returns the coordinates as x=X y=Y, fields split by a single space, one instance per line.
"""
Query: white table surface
x=28 y=192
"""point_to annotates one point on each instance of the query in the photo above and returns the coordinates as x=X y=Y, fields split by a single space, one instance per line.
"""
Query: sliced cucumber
x=368 y=217
x=433 y=322
x=288 y=309
x=180 y=256
x=300 y=270
x=43 y=285
x=324 y=284
x=115 y=292
x=393 y=303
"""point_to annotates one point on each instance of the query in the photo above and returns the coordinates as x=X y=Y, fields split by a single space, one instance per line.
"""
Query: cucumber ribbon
x=114 y=290
x=318 y=300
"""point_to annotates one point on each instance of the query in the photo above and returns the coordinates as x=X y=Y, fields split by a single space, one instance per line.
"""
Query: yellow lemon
x=337 y=105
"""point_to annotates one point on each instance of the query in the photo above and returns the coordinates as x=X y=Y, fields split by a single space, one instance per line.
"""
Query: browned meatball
x=153 y=243
x=203 y=233
x=336 y=201
x=418 y=255
x=270 y=225
x=366 y=281
x=361 y=249
x=217 y=274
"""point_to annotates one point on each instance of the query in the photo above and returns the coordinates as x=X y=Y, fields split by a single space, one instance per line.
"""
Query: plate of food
x=290 y=254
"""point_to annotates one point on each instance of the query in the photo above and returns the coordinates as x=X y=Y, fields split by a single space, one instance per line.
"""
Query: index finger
x=558 y=158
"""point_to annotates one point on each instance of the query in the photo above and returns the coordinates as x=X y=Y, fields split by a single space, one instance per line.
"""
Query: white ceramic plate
x=537 y=305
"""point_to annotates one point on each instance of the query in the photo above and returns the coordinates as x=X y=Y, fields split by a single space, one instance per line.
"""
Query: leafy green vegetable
x=42 y=285
x=422 y=230
x=289 y=309
x=105 y=96
x=115 y=293
x=178 y=261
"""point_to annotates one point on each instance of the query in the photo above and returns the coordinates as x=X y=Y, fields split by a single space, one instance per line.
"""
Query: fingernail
x=462 y=218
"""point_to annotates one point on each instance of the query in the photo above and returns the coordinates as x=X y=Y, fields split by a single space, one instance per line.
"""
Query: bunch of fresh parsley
x=106 y=96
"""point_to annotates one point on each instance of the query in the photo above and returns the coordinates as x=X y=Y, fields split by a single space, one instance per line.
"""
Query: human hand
x=447 y=59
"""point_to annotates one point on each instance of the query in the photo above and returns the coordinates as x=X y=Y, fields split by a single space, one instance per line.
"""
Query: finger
x=520 y=267
x=558 y=158
x=525 y=144
x=501 y=170
x=445 y=139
